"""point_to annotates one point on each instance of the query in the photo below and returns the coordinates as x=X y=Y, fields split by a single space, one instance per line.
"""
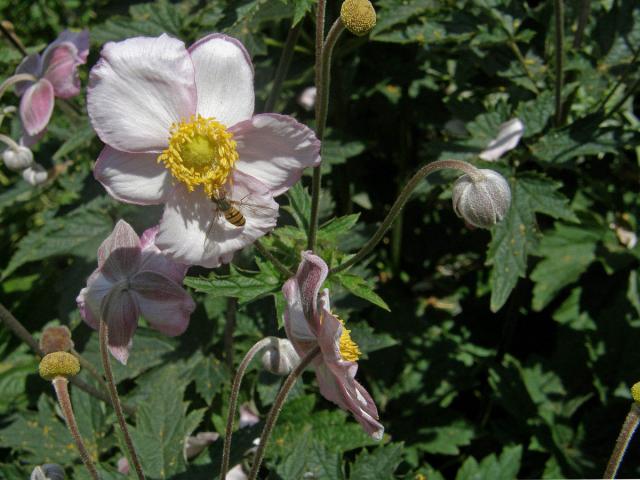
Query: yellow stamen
x=348 y=348
x=58 y=364
x=201 y=152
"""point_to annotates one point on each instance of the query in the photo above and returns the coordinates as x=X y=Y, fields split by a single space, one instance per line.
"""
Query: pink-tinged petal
x=195 y=444
x=61 y=69
x=28 y=141
x=123 y=466
x=236 y=473
x=224 y=79
x=275 y=149
x=192 y=231
x=164 y=303
x=31 y=65
x=155 y=261
x=248 y=416
x=119 y=254
x=133 y=177
x=80 y=40
x=36 y=106
x=509 y=135
x=120 y=312
x=90 y=298
x=138 y=89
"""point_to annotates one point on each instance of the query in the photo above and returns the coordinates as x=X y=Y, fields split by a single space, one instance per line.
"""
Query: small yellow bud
x=358 y=16
x=635 y=393
x=59 y=364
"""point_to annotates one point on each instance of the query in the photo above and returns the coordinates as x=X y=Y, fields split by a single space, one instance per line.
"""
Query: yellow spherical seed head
x=348 y=348
x=201 y=152
x=358 y=16
x=635 y=393
x=58 y=364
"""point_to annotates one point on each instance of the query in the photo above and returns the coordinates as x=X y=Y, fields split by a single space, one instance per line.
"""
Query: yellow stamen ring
x=348 y=348
x=58 y=364
x=201 y=152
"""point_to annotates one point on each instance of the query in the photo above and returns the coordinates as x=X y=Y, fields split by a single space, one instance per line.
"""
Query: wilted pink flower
x=56 y=71
x=180 y=131
x=133 y=278
x=309 y=322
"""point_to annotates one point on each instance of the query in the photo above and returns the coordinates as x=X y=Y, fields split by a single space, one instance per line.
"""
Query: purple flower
x=309 y=322
x=133 y=278
x=56 y=71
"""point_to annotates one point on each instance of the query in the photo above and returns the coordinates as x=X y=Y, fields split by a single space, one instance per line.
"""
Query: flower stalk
x=629 y=426
x=281 y=267
x=283 y=66
x=277 y=407
x=115 y=399
x=425 y=171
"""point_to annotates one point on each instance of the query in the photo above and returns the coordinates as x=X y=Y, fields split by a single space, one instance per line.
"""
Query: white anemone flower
x=509 y=135
x=179 y=130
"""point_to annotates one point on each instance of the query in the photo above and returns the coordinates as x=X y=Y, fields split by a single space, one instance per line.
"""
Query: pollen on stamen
x=348 y=348
x=201 y=152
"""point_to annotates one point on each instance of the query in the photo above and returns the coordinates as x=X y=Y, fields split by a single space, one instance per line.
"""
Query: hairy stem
x=278 y=403
x=233 y=401
x=115 y=400
x=558 y=9
x=283 y=66
x=281 y=267
x=60 y=385
x=624 y=437
x=400 y=202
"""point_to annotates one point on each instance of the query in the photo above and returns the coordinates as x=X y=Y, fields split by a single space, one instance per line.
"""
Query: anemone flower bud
x=482 y=200
x=358 y=16
x=56 y=339
x=635 y=392
x=280 y=358
x=48 y=471
x=58 y=364
x=17 y=159
x=35 y=175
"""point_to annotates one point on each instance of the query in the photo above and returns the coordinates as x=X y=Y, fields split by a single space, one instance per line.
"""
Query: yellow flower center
x=348 y=348
x=201 y=152
x=58 y=364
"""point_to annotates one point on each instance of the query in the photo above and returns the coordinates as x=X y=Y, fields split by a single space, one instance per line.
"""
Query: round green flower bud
x=482 y=200
x=635 y=393
x=358 y=16
x=58 y=364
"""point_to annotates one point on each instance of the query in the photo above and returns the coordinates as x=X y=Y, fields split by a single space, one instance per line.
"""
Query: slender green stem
x=323 y=81
x=558 y=8
x=281 y=267
x=115 y=400
x=233 y=401
x=278 y=403
x=13 y=79
x=399 y=203
x=60 y=385
x=12 y=39
x=283 y=66
x=632 y=89
x=9 y=142
x=523 y=62
x=623 y=78
x=626 y=433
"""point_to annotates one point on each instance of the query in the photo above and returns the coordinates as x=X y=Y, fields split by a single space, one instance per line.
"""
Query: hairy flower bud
x=635 y=393
x=358 y=16
x=56 y=339
x=18 y=159
x=35 y=175
x=482 y=200
x=280 y=358
x=58 y=364
x=48 y=471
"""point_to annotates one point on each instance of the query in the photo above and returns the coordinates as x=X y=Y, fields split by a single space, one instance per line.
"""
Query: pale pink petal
x=509 y=135
x=61 y=69
x=138 y=89
x=90 y=298
x=133 y=177
x=79 y=39
x=30 y=140
x=248 y=416
x=163 y=303
x=224 y=79
x=155 y=261
x=195 y=444
x=275 y=149
x=36 y=106
x=119 y=254
x=123 y=466
x=193 y=232
x=236 y=473
x=32 y=65
x=120 y=312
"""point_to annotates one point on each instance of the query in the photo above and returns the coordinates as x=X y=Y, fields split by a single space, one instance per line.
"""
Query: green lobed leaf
x=379 y=464
x=361 y=288
x=504 y=467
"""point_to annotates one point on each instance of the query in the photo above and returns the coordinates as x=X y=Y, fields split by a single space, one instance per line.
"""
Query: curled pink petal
x=154 y=260
x=36 y=106
x=61 y=69
x=119 y=254
x=31 y=65
x=120 y=312
x=275 y=149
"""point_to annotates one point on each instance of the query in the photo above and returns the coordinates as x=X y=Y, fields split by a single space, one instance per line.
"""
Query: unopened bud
x=17 y=159
x=58 y=364
x=280 y=358
x=56 y=339
x=482 y=199
x=35 y=175
x=635 y=393
x=358 y=16
x=48 y=471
